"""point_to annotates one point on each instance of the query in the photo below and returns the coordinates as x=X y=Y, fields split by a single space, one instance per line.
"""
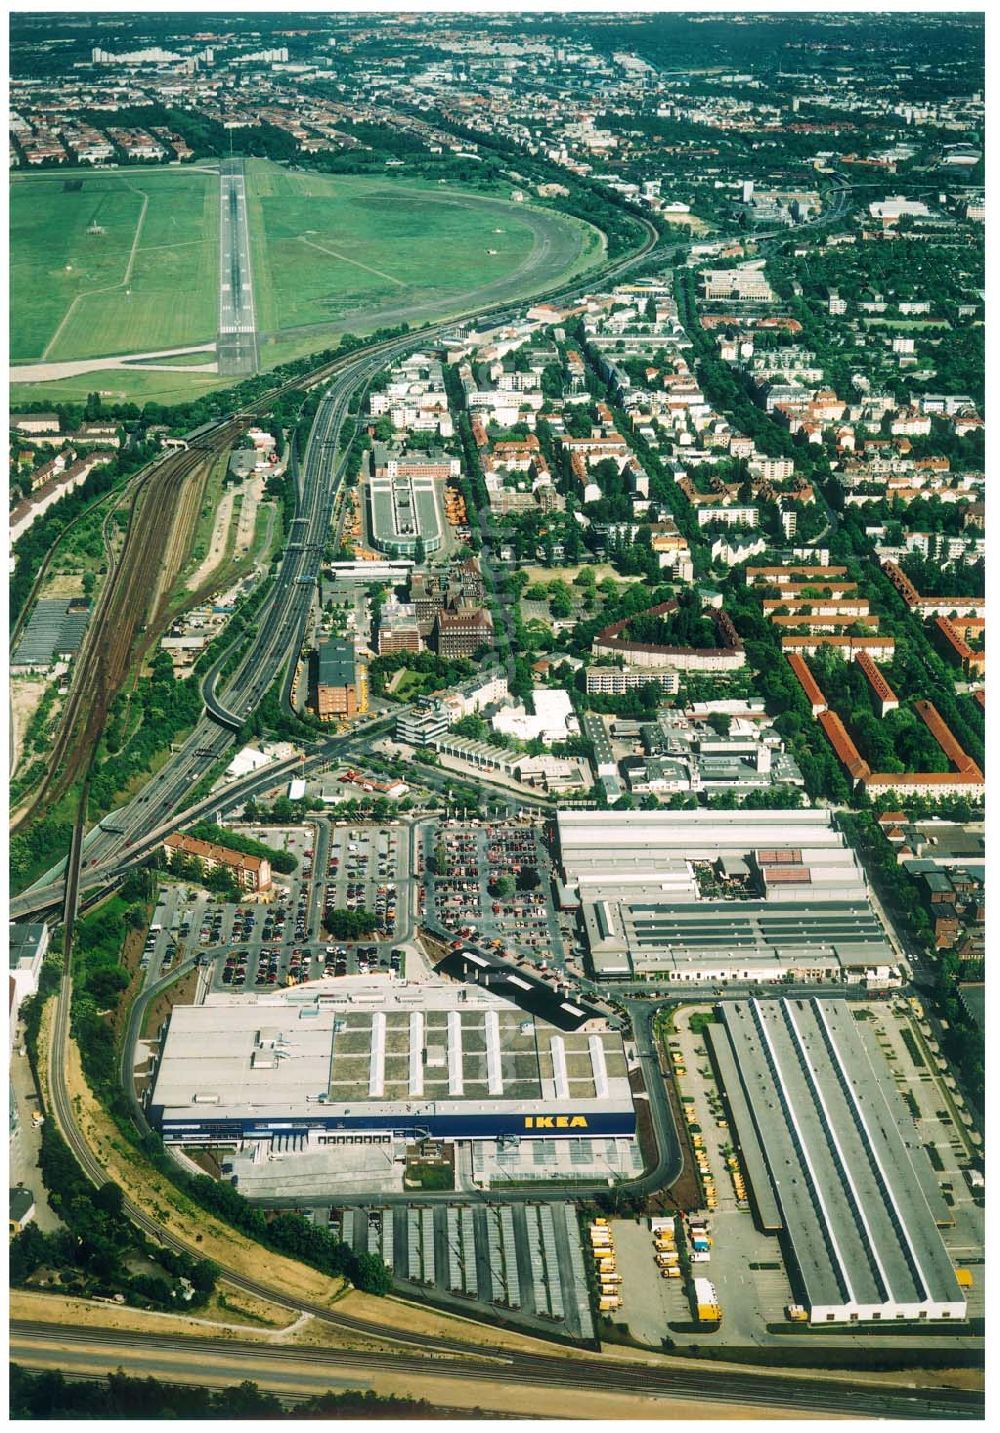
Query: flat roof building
x=403 y=511
x=340 y=688
x=648 y=889
x=834 y=1160
x=417 y=1061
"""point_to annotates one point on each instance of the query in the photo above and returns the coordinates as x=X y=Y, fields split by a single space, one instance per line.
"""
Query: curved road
x=116 y=841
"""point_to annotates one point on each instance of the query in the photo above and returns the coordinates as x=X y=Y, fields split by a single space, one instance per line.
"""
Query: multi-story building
x=614 y=681
x=398 y=629
x=340 y=689
x=252 y=873
x=462 y=629
x=739 y=285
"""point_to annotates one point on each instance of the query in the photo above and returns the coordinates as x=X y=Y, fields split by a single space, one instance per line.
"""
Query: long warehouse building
x=834 y=1162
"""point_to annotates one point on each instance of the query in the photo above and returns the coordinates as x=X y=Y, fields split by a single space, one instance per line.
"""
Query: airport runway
x=237 y=345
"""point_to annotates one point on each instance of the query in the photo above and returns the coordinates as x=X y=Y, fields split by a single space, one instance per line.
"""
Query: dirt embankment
x=180 y=993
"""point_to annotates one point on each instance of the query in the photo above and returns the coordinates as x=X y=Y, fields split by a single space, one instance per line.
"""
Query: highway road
x=158 y=809
x=237 y=346
x=308 y=1369
x=129 y=834
x=280 y=625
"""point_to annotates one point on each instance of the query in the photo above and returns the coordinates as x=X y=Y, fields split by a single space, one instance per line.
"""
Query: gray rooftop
x=383 y=1051
x=402 y=509
x=336 y=663
x=842 y=1155
x=25 y=938
x=52 y=631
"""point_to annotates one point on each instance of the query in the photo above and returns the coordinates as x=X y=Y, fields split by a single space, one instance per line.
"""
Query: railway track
x=545 y=1370
x=275 y=1365
x=103 y=661
x=106 y=652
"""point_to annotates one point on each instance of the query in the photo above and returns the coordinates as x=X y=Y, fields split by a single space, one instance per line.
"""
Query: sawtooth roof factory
x=412 y=1061
x=834 y=1162
x=719 y=895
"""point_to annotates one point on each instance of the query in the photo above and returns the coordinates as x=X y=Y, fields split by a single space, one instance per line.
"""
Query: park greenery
x=31 y=548
x=350 y=925
x=686 y=627
x=98 y=1248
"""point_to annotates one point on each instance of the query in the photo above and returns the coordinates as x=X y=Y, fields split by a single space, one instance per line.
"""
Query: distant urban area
x=497 y=708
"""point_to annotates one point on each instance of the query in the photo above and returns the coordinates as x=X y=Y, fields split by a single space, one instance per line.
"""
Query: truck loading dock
x=831 y=1153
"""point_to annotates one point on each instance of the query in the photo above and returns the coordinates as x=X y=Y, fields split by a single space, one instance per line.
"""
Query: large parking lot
x=263 y=944
x=461 y=861
x=367 y=868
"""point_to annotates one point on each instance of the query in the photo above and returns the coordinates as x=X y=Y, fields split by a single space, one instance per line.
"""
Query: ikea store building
x=452 y=1063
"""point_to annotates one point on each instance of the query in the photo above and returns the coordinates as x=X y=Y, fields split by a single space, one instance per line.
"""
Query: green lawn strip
x=75 y=294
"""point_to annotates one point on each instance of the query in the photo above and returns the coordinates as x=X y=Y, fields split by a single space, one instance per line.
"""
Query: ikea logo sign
x=555 y=1122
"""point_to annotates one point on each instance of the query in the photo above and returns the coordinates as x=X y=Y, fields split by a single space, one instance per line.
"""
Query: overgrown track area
x=93 y=692
x=127 y=600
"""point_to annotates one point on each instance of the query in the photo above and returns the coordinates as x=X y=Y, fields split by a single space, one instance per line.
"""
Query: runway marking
x=335 y=254
x=181 y=244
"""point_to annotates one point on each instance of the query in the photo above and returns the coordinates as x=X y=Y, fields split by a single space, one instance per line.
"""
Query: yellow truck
x=964 y=1277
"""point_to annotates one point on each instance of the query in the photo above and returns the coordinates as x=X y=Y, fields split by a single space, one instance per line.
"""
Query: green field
x=120 y=385
x=329 y=253
x=76 y=294
x=348 y=251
